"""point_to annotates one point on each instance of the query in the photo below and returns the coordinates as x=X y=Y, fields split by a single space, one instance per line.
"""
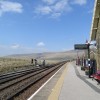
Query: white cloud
x=60 y=6
x=7 y=6
x=49 y=1
x=15 y=46
x=55 y=15
x=43 y=10
x=20 y=49
x=80 y=2
x=55 y=9
x=14 y=49
x=40 y=44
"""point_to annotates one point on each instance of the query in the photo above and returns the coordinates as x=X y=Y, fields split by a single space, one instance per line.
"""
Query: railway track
x=14 y=84
x=5 y=78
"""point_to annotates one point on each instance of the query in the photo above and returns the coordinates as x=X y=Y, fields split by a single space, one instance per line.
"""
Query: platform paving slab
x=77 y=86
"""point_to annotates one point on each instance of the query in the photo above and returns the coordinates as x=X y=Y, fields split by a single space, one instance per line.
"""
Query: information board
x=80 y=46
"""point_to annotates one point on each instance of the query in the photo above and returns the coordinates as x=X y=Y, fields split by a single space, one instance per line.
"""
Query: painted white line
x=30 y=98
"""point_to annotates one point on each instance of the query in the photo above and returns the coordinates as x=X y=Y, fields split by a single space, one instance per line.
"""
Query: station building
x=95 y=31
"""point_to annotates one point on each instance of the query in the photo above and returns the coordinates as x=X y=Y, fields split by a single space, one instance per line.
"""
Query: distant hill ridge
x=72 y=54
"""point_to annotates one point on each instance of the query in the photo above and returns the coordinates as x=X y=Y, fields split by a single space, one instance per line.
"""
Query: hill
x=58 y=56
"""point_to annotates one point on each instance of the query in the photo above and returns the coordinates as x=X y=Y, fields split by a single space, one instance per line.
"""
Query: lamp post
x=89 y=58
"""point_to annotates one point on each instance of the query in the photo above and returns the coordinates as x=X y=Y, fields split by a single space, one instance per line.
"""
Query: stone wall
x=98 y=45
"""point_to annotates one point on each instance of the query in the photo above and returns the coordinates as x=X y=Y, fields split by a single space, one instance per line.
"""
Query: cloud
x=49 y=1
x=14 y=49
x=79 y=2
x=40 y=44
x=53 y=8
x=56 y=8
x=55 y=15
x=60 y=6
x=43 y=10
x=7 y=6
x=20 y=49
x=15 y=46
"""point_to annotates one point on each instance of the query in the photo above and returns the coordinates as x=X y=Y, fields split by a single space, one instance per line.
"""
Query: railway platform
x=69 y=83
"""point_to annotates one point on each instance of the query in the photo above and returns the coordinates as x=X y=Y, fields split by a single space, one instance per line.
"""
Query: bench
x=96 y=76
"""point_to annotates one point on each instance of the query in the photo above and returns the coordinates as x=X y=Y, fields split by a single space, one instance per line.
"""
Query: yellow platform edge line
x=57 y=88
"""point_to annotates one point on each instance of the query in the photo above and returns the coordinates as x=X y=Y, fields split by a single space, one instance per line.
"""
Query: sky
x=34 y=26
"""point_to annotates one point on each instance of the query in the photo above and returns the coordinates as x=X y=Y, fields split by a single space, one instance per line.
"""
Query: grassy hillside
x=20 y=61
x=12 y=64
x=50 y=55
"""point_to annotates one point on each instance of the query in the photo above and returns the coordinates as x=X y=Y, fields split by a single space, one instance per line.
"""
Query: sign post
x=80 y=46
